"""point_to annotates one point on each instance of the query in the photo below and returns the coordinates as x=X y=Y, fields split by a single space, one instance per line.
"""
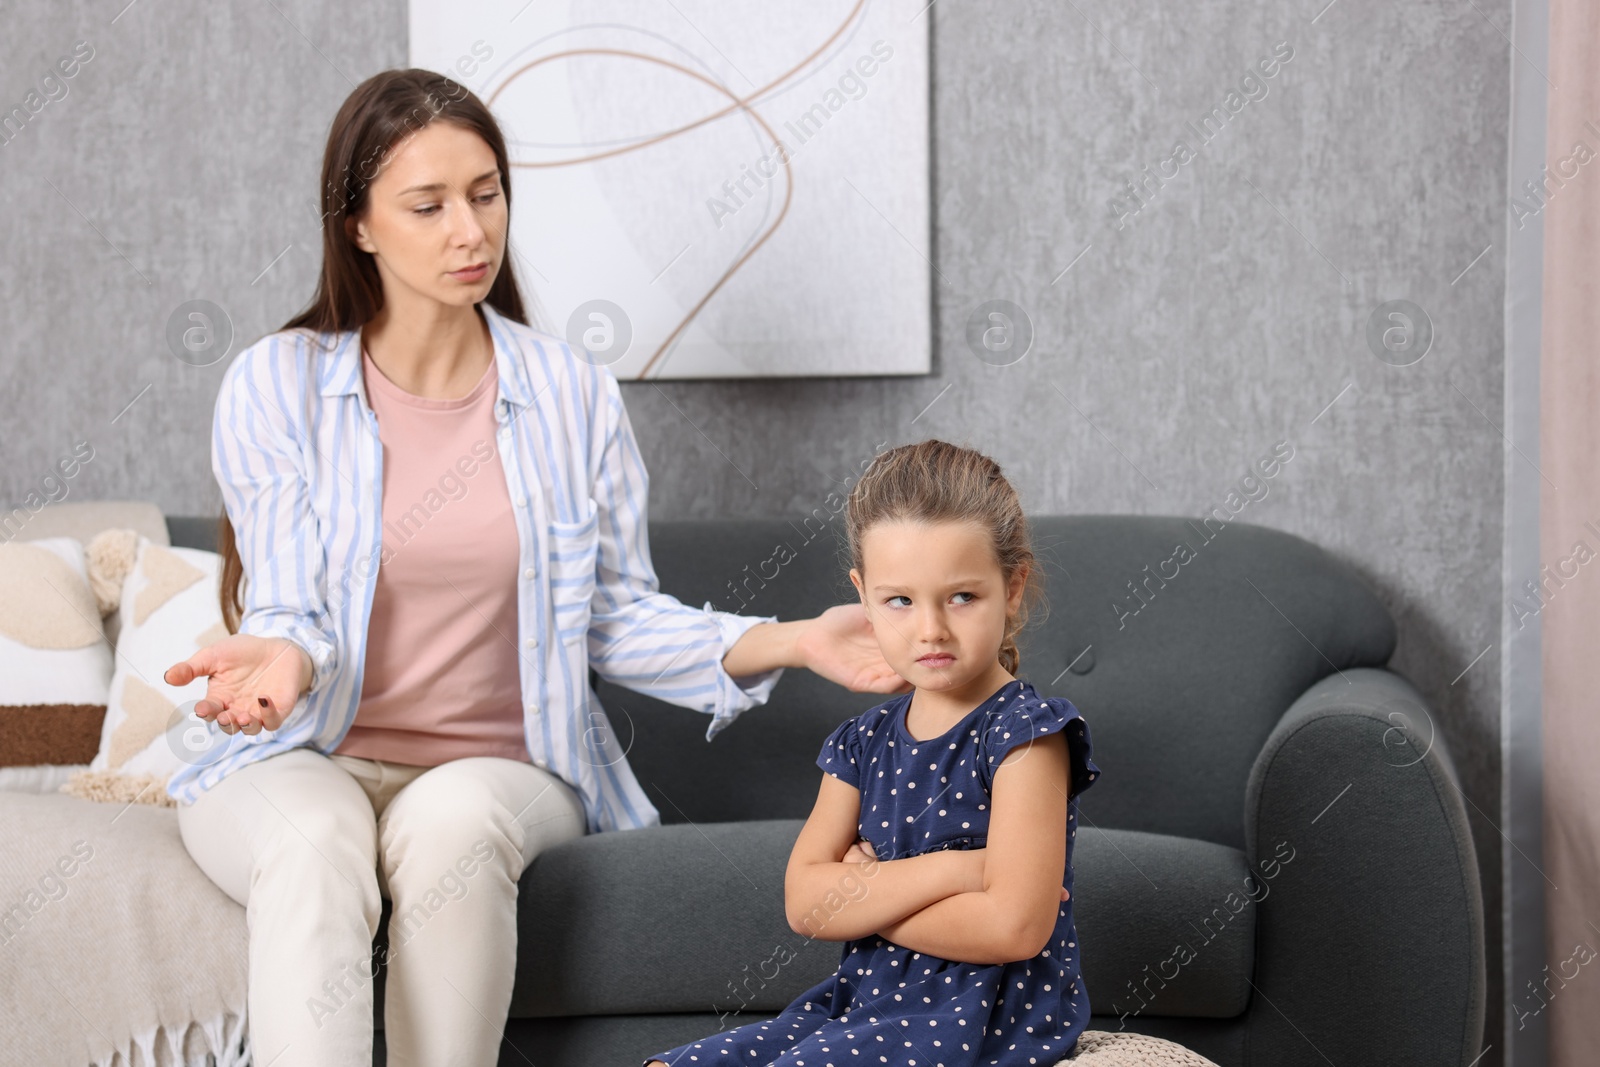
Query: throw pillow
x=169 y=610
x=55 y=663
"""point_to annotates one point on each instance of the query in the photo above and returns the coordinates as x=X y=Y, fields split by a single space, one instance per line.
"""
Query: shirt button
x=533 y=709
x=528 y=573
x=532 y=642
x=519 y=502
x=540 y=764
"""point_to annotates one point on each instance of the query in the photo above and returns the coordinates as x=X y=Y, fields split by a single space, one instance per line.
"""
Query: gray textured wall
x=1227 y=314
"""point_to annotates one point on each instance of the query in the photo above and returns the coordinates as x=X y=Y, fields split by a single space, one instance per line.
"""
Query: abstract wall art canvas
x=711 y=190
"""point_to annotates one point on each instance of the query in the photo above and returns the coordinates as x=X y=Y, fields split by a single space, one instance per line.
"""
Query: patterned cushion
x=169 y=610
x=55 y=663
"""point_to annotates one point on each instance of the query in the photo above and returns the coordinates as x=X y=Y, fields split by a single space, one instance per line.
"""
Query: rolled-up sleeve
x=640 y=637
x=258 y=453
x=745 y=691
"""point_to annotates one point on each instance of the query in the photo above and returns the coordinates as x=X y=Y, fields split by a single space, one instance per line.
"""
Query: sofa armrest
x=1370 y=943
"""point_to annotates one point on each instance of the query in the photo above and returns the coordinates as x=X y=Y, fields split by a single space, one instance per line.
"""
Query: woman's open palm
x=840 y=646
x=242 y=671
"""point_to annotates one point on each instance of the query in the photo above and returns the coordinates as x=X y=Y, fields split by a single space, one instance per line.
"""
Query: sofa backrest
x=1181 y=643
x=1181 y=661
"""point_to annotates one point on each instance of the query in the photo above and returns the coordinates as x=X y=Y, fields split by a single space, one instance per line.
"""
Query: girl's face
x=436 y=207
x=937 y=600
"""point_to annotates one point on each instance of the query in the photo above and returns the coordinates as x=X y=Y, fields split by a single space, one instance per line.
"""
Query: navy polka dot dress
x=888 y=1004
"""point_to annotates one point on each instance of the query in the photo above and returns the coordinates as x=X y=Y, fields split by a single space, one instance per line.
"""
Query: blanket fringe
x=118 y=787
x=222 y=1041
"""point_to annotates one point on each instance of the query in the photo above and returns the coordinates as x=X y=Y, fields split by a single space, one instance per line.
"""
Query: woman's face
x=436 y=207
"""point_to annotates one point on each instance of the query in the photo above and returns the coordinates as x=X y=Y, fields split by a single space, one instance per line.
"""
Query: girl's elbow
x=806 y=923
x=792 y=908
x=1031 y=938
x=818 y=920
x=1032 y=944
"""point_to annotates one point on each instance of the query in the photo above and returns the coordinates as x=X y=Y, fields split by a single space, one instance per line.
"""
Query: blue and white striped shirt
x=295 y=448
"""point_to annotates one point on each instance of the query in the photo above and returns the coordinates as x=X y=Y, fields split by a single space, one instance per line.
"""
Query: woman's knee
x=454 y=834
x=295 y=819
x=326 y=845
x=475 y=813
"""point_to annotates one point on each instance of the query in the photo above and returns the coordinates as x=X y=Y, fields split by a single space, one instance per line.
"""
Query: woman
x=440 y=520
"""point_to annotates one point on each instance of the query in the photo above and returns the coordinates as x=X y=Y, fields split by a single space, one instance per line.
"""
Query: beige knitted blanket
x=115 y=948
x=1101 y=1048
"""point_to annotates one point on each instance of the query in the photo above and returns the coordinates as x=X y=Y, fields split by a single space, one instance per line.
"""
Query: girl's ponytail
x=1010 y=657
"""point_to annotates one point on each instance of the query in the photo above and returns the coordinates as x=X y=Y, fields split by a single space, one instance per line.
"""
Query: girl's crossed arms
x=984 y=905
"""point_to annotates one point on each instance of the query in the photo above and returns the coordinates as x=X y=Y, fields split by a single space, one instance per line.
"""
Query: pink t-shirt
x=442 y=679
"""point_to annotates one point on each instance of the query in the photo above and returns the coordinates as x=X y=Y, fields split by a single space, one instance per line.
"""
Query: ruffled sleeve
x=841 y=753
x=1028 y=717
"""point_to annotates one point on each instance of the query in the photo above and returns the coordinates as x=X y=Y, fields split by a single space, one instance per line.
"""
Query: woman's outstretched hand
x=839 y=645
x=253 y=682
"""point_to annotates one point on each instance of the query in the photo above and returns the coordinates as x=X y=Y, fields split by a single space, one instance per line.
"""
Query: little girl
x=955 y=804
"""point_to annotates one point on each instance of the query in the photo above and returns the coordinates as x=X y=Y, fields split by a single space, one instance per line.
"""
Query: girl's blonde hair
x=935 y=481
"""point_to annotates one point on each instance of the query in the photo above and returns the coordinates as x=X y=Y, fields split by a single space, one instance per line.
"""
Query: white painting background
x=840 y=287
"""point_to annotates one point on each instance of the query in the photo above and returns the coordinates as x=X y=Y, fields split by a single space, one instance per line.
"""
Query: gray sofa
x=1274 y=868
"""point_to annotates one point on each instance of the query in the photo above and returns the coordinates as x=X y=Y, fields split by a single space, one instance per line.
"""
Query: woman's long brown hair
x=373 y=120
x=935 y=481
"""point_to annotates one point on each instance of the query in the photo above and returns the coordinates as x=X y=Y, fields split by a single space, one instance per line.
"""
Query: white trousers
x=308 y=843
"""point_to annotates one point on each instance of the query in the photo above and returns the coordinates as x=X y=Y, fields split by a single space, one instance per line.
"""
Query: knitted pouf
x=1099 y=1048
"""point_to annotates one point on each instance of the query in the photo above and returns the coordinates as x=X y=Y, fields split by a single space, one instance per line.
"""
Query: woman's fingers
x=234 y=712
x=271 y=718
x=250 y=716
x=235 y=667
x=202 y=663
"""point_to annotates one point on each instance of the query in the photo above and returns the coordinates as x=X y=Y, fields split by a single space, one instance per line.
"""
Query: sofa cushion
x=1167 y=924
x=689 y=918
x=663 y=919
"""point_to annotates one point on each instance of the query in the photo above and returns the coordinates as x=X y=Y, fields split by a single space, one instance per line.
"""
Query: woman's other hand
x=253 y=682
x=839 y=645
